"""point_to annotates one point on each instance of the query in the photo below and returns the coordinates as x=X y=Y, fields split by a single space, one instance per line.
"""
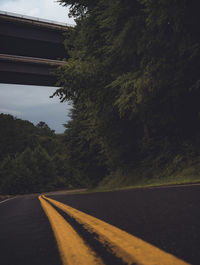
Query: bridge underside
x=27 y=79
x=27 y=71
x=30 y=50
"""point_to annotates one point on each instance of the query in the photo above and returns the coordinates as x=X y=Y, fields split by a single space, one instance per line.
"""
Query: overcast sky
x=32 y=102
x=48 y=9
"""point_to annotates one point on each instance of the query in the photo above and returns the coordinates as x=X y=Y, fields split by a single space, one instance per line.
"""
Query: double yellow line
x=74 y=251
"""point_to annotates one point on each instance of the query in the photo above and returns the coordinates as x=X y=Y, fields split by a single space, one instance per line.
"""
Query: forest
x=32 y=157
x=133 y=80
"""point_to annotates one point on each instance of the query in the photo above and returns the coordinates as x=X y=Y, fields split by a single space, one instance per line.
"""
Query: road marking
x=7 y=200
x=129 y=248
x=73 y=250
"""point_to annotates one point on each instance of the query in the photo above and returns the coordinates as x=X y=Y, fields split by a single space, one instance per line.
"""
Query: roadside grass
x=179 y=171
x=176 y=173
x=147 y=183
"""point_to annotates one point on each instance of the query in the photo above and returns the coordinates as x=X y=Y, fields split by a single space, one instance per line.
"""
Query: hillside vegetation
x=32 y=158
x=133 y=79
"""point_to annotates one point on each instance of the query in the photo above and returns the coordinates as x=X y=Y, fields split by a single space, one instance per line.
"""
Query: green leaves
x=126 y=101
x=132 y=78
x=28 y=157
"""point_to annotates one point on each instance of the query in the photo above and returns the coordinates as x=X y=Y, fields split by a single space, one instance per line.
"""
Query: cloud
x=33 y=103
x=26 y=96
x=10 y=111
x=47 y=9
x=35 y=12
x=55 y=116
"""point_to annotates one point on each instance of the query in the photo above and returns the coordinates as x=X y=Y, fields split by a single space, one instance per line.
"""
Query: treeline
x=32 y=158
x=133 y=80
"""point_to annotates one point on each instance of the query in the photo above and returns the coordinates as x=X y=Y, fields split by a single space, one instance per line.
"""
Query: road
x=167 y=218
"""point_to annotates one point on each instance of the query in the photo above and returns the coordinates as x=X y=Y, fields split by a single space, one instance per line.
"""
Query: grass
x=177 y=172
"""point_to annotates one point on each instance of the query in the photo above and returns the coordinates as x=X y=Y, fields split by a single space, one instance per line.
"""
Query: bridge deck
x=31 y=48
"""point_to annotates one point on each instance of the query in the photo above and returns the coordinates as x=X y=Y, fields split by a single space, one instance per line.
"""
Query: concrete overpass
x=30 y=49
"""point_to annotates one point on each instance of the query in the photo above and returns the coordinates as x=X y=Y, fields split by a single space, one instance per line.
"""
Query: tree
x=44 y=128
x=27 y=152
x=132 y=77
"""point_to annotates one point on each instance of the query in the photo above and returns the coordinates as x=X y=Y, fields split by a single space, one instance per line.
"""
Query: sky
x=47 y=9
x=33 y=103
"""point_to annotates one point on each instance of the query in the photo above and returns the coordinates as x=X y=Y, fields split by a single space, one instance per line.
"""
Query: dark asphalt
x=26 y=237
x=168 y=218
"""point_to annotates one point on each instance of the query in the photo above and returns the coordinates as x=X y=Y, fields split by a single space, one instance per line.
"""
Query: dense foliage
x=133 y=79
x=32 y=158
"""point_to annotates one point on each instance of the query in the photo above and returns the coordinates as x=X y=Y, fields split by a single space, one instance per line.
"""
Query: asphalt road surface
x=168 y=218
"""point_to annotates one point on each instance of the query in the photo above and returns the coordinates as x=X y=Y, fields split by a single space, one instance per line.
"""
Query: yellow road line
x=73 y=250
x=125 y=246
